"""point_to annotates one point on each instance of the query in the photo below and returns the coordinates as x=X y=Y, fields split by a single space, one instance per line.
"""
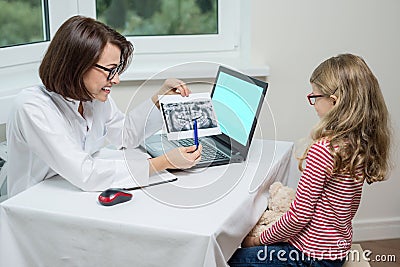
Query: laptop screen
x=237 y=100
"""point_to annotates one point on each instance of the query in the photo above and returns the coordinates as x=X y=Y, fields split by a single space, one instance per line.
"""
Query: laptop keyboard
x=209 y=152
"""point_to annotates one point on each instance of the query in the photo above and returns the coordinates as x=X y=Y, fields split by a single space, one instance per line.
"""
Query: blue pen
x=196 y=134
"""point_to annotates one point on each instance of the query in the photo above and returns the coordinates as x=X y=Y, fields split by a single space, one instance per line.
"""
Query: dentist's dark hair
x=74 y=49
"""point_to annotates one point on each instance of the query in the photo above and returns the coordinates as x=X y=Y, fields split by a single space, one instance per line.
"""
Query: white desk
x=199 y=220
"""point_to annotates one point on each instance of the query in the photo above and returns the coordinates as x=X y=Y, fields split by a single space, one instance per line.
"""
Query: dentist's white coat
x=47 y=136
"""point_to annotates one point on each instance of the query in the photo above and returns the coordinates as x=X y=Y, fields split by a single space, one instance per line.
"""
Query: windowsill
x=13 y=81
x=190 y=72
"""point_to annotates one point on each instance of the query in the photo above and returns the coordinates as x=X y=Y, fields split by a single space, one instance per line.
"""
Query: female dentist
x=60 y=127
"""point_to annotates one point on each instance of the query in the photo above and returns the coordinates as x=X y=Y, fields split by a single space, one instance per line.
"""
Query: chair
x=6 y=102
x=3 y=172
x=355 y=258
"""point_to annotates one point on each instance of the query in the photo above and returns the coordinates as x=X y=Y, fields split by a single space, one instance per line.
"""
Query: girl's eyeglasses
x=312 y=98
x=112 y=72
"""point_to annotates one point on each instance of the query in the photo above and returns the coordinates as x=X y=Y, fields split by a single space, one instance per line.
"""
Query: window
x=173 y=26
x=169 y=33
x=197 y=30
x=23 y=22
x=154 y=17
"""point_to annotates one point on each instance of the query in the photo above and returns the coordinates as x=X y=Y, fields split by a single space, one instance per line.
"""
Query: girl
x=60 y=127
x=350 y=145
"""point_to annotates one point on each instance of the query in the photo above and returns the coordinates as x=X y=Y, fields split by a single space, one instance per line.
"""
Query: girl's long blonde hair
x=358 y=124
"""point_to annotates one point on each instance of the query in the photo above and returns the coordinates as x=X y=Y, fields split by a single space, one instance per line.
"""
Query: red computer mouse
x=114 y=196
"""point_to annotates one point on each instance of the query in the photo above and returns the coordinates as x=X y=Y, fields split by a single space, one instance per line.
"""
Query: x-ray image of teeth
x=179 y=116
x=179 y=112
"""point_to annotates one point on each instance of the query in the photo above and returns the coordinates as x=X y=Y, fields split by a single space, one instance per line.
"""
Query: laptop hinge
x=236 y=158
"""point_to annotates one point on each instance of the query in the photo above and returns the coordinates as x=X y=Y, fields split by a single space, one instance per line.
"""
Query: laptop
x=237 y=100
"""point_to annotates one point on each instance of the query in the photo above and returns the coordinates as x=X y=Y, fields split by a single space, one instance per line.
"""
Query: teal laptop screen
x=235 y=103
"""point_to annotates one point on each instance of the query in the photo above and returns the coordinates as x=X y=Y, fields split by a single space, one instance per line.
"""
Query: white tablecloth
x=199 y=220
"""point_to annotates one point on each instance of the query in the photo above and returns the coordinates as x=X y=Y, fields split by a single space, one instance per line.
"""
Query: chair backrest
x=3 y=171
x=6 y=102
x=3 y=182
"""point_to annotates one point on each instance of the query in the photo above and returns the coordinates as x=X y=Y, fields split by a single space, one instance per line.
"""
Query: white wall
x=293 y=37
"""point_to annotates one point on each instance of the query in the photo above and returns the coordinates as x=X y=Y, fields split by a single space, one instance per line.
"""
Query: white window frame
x=225 y=40
x=19 y=65
x=155 y=54
x=32 y=53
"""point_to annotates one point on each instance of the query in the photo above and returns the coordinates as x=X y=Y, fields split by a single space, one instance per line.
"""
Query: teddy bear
x=280 y=198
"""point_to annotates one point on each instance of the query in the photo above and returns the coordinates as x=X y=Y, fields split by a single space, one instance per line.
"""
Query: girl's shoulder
x=322 y=149
x=322 y=143
x=320 y=154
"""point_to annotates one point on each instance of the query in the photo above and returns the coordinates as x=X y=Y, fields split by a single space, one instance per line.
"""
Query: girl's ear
x=334 y=98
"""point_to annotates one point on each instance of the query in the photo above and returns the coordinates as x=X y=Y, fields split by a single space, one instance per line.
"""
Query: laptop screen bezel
x=237 y=147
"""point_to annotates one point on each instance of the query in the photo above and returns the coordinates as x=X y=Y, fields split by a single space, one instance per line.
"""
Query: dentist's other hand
x=171 y=86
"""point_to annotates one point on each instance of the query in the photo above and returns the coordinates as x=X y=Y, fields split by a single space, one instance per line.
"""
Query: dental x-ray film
x=179 y=113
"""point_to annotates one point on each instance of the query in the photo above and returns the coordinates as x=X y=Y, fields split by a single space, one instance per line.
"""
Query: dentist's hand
x=171 y=87
x=178 y=158
x=183 y=157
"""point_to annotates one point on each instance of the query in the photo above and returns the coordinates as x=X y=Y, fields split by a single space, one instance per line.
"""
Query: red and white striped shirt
x=319 y=221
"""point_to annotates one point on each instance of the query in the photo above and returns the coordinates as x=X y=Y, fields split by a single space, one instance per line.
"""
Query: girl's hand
x=251 y=241
x=171 y=87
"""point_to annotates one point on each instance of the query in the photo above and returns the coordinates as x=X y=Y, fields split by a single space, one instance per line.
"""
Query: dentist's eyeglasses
x=112 y=72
